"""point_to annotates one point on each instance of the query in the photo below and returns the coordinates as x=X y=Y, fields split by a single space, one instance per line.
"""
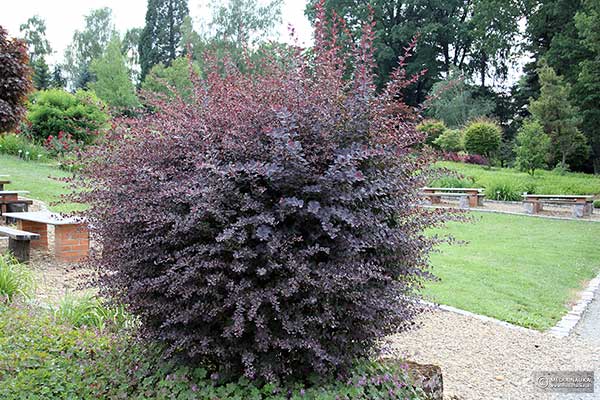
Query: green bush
x=15 y=279
x=433 y=129
x=19 y=145
x=88 y=310
x=451 y=182
x=42 y=359
x=450 y=140
x=82 y=115
x=503 y=191
x=483 y=137
x=596 y=203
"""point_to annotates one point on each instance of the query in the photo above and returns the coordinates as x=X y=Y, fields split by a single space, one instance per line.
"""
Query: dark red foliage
x=268 y=227
x=465 y=158
x=15 y=80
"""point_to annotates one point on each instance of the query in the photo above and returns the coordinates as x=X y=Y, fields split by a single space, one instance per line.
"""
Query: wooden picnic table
x=71 y=235
x=470 y=197
x=581 y=205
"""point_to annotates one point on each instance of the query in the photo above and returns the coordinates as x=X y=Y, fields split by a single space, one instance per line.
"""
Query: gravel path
x=482 y=360
x=589 y=326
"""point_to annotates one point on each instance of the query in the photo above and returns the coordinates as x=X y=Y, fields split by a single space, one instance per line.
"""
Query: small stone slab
x=44 y=217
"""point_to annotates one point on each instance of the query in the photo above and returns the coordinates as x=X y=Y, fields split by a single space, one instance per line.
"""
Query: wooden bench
x=581 y=205
x=3 y=181
x=468 y=197
x=19 y=242
x=71 y=236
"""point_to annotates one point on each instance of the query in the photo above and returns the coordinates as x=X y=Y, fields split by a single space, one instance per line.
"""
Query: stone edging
x=478 y=316
x=483 y=210
x=564 y=327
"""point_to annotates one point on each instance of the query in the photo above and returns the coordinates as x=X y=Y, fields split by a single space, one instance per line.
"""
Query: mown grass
x=39 y=178
x=544 y=182
x=518 y=269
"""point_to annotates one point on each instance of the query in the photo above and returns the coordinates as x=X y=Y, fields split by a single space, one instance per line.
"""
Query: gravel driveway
x=485 y=361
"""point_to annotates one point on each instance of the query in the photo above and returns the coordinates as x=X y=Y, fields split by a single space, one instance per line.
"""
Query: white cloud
x=63 y=17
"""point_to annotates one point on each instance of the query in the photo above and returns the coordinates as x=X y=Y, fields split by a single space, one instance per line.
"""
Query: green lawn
x=519 y=269
x=36 y=177
x=544 y=182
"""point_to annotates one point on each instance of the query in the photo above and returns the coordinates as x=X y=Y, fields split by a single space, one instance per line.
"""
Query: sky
x=63 y=17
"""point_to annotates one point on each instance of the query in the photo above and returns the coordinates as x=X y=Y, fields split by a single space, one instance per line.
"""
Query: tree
x=161 y=37
x=483 y=137
x=587 y=88
x=88 y=45
x=244 y=21
x=532 y=147
x=34 y=33
x=190 y=39
x=294 y=246
x=555 y=111
x=450 y=140
x=432 y=129
x=58 y=81
x=112 y=84
x=41 y=74
x=15 y=80
x=453 y=101
x=475 y=36
x=172 y=81
x=131 y=50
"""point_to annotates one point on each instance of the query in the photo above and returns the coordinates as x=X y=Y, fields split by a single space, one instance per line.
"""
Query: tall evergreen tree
x=58 y=80
x=587 y=88
x=557 y=114
x=112 y=82
x=161 y=37
x=42 y=78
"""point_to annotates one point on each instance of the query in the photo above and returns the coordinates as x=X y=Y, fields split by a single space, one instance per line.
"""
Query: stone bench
x=581 y=206
x=19 y=242
x=468 y=197
x=71 y=235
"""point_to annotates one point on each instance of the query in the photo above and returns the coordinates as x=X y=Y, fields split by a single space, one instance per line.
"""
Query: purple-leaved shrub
x=268 y=226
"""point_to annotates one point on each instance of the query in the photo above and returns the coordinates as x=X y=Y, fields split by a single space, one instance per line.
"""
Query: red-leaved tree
x=15 y=80
x=268 y=227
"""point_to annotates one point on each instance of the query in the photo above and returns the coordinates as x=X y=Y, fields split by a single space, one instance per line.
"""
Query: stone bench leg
x=435 y=199
x=19 y=249
x=581 y=210
x=465 y=202
x=71 y=242
x=532 y=207
x=35 y=227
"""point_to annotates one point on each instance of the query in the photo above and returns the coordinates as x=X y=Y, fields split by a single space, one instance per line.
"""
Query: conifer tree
x=161 y=37
x=112 y=78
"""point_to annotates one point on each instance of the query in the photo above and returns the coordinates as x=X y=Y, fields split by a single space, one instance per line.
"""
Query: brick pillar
x=35 y=227
x=473 y=200
x=71 y=242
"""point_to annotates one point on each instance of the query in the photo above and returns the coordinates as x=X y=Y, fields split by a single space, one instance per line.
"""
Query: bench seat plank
x=17 y=234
